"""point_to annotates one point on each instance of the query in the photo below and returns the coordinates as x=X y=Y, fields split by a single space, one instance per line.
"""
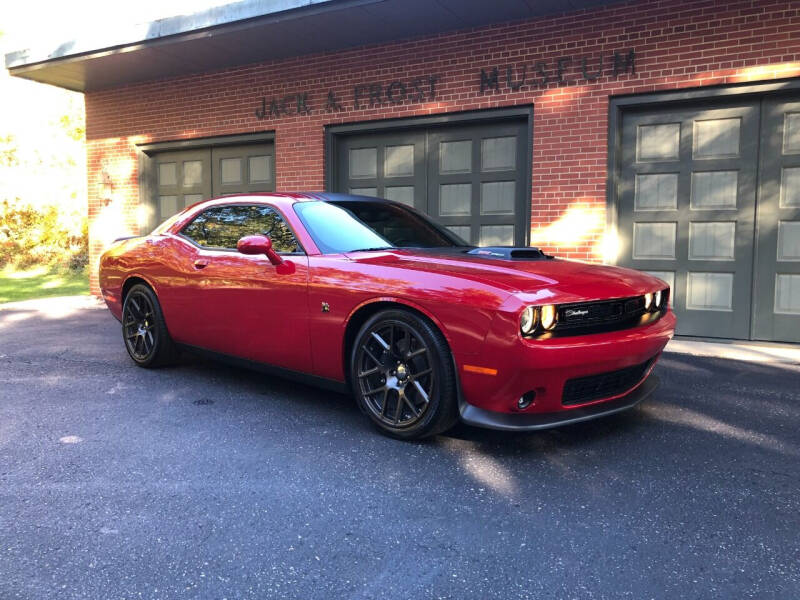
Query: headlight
x=648 y=302
x=657 y=300
x=528 y=320
x=548 y=316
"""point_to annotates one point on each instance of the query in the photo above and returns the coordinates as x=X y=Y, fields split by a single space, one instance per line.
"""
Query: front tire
x=402 y=375
x=143 y=329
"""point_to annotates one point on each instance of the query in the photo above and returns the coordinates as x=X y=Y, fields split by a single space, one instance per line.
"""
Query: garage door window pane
x=455 y=157
x=787 y=294
x=791 y=133
x=168 y=205
x=499 y=154
x=260 y=169
x=167 y=174
x=363 y=163
x=658 y=142
x=711 y=241
x=399 y=161
x=497 y=198
x=462 y=231
x=404 y=194
x=716 y=137
x=497 y=235
x=789 y=240
x=667 y=276
x=455 y=199
x=790 y=188
x=714 y=190
x=364 y=191
x=231 y=170
x=709 y=291
x=658 y=191
x=654 y=240
x=192 y=173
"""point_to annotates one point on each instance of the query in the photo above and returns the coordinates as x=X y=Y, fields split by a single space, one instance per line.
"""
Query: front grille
x=604 y=385
x=604 y=315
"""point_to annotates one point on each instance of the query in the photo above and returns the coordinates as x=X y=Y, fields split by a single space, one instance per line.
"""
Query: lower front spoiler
x=479 y=417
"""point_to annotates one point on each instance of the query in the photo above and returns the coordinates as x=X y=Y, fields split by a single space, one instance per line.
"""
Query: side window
x=224 y=226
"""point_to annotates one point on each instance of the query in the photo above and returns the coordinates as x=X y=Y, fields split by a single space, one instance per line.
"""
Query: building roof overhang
x=255 y=31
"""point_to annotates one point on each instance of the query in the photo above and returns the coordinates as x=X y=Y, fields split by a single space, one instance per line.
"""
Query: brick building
x=662 y=135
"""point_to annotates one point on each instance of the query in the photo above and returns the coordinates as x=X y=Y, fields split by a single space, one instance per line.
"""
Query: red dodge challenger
x=369 y=296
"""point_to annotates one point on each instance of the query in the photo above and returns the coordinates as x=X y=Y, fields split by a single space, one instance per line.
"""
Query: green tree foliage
x=36 y=235
x=43 y=204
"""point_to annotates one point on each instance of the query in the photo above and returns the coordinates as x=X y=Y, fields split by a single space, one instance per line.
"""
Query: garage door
x=706 y=202
x=184 y=177
x=472 y=179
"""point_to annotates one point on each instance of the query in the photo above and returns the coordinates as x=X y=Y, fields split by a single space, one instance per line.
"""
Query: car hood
x=562 y=280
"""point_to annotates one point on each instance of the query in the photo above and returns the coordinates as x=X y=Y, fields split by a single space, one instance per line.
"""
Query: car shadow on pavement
x=732 y=402
x=755 y=404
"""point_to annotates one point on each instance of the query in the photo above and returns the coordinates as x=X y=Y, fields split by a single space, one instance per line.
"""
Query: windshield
x=351 y=225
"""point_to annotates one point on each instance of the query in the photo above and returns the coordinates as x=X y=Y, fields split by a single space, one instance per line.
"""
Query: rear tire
x=144 y=330
x=402 y=375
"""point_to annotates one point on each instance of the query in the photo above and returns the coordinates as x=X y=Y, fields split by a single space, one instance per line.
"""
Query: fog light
x=526 y=400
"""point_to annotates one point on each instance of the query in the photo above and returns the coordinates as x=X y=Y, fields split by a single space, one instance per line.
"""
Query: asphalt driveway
x=204 y=481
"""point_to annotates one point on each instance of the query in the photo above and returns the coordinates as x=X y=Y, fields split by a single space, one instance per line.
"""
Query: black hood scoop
x=510 y=253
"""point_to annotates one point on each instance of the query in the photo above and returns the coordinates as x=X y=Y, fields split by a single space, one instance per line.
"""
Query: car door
x=242 y=305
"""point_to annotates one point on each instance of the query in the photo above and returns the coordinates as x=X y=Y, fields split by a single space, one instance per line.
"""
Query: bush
x=39 y=236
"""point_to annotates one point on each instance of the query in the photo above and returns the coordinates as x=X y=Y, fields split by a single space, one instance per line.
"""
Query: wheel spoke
x=380 y=340
x=416 y=353
x=404 y=343
x=385 y=402
x=371 y=371
x=411 y=406
x=372 y=356
x=135 y=306
x=149 y=335
x=376 y=390
x=421 y=391
x=398 y=411
x=422 y=373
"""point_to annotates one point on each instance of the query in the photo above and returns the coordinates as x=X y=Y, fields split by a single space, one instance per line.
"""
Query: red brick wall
x=677 y=43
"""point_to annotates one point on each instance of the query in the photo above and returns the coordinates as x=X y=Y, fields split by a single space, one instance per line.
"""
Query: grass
x=41 y=282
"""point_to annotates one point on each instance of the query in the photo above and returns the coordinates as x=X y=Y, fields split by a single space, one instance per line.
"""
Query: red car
x=369 y=296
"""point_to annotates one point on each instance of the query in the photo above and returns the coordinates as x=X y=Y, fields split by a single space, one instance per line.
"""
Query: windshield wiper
x=372 y=249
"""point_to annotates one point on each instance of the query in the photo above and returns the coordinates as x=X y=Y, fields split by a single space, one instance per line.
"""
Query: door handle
x=200 y=264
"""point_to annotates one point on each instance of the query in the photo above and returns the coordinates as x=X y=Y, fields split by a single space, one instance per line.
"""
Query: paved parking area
x=204 y=481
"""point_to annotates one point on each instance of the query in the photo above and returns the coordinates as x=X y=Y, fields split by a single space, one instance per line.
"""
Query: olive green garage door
x=183 y=177
x=472 y=178
x=709 y=200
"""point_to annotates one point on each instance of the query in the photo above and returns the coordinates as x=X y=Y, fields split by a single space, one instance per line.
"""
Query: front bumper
x=479 y=417
x=511 y=368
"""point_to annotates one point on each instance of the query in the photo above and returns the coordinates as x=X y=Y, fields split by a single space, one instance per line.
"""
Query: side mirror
x=259 y=244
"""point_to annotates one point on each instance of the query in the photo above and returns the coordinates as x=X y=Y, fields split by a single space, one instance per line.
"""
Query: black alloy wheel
x=402 y=375
x=144 y=330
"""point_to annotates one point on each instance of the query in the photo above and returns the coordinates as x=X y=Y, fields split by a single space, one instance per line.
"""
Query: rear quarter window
x=224 y=226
